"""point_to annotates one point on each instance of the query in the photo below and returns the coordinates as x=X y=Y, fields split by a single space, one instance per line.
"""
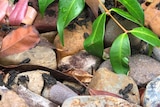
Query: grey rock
x=97 y=101
x=106 y=80
x=143 y=69
x=113 y=31
x=156 y=53
x=39 y=55
x=151 y=96
x=82 y=60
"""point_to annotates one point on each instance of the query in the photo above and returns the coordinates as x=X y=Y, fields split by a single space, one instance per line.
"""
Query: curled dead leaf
x=82 y=76
x=19 y=40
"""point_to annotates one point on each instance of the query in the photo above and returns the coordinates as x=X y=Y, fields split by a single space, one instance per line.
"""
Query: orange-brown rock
x=152 y=13
x=73 y=40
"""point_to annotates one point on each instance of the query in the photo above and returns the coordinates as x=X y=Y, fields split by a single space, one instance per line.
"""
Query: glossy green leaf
x=43 y=4
x=146 y=35
x=68 y=10
x=119 y=53
x=126 y=15
x=94 y=43
x=134 y=9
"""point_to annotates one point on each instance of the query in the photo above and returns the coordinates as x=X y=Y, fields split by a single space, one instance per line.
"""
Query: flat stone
x=39 y=55
x=151 y=95
x=73 y=40
x=97 y=101
x=143 y=69
x=82 y=60
x=106 y=80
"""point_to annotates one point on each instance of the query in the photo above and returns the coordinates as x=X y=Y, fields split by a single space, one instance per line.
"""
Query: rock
x=151 y=95
x=33 y=99
x=82 y=60
x=10 y=99
x=143 y=69
x=97 y=101
x=49 y=35
x=113 y=31
x=39 y=55
x=59 y=93
x=31 y=79
x=156 y=53
x=48 y=21
x=118 y=84
x=73 y=40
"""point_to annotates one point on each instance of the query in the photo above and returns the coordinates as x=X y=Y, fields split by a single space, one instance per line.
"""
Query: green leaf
x=43 y=4
x=68 y=10
x=134 y=9
x=146 y=35
x=126 y=15
x=119 y=53
x=94 y=43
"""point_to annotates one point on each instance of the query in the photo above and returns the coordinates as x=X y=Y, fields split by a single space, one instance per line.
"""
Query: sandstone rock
x=82 y=60
x=73 y=40
x=106 y=80
x=31 y=79
x=151 y=96
x=97 y=101
x=113 y=31
x=10 y=98
x=39 y=55
x=143 y=69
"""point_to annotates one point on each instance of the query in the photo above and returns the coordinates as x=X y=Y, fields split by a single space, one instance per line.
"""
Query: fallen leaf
x=93 y=4
x=19 y=40
x=82 y=76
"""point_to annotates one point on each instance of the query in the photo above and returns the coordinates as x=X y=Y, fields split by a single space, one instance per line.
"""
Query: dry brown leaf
x=93 y=4
x=19 y=40
x=80 y=75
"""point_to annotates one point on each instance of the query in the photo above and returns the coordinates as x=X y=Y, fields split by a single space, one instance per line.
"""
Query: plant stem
x=108 y=12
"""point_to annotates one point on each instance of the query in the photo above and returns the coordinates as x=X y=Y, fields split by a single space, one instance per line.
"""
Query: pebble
x=82 y=60
x=39 y=55
x=151 y=95
x=97 y=101
x=119 y=84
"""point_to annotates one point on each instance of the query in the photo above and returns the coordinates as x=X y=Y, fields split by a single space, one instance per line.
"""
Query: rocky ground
x=52 y=75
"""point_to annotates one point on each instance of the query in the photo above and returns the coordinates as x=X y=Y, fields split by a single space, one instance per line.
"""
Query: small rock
x=39 y=55
x=49 y=35
x=156 y=53
x=118 y=84
x=31 y=79
x=151 y=95
x=82 y=60
x=10 y=98
x=73 y=40
x=59 y=93
x=143 y=69
x=113 y=31
x=97 y=101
